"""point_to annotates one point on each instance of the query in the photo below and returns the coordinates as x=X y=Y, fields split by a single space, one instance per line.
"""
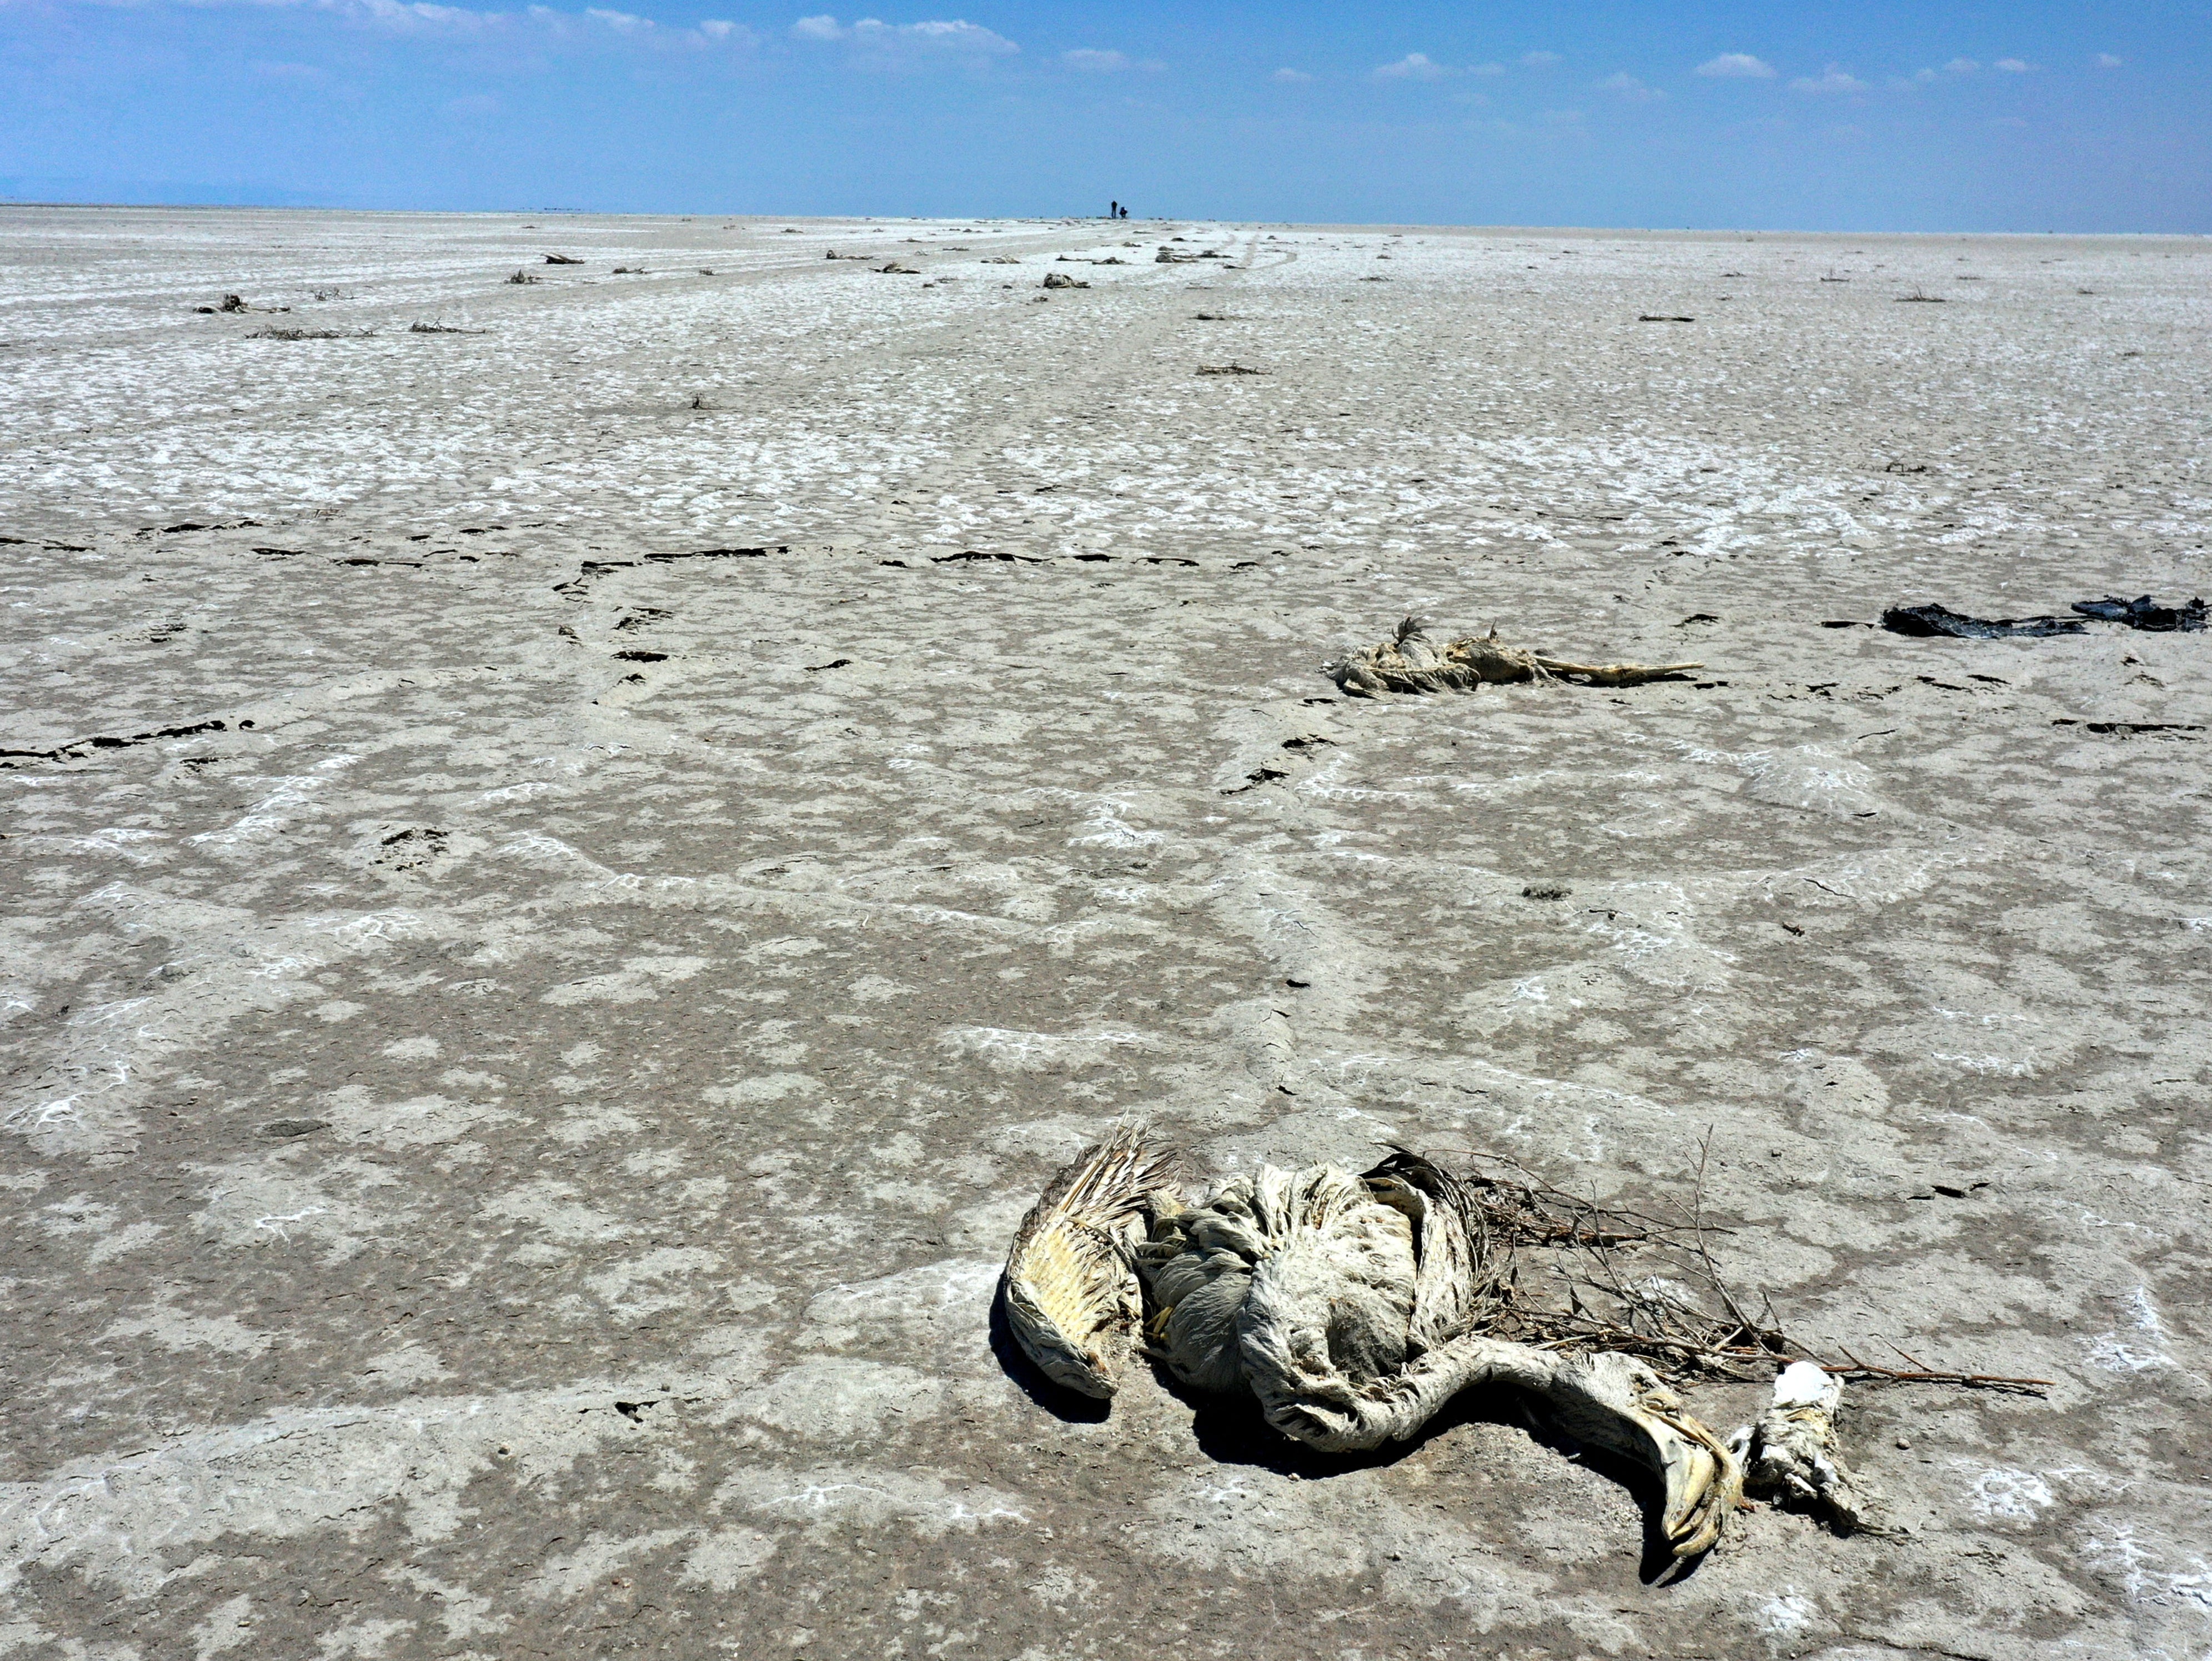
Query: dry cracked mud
x=567 y=879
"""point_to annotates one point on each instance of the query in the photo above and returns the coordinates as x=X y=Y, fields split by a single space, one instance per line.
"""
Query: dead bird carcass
x=1353 y=1308
x=1412 y=662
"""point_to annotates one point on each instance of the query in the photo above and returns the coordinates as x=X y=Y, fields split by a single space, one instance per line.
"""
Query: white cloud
x=535 y=26
x=420 y=18
x=1540 y=60
x=2106 y=61
x=1929 y=77
x=1291 y=77
x=2013 y=65
x=1103 y=62
x=1486 y=69
x=1414 y=66
x=1835 y=81
x=945 y=35
x=1627 y=86
x=1737 y=66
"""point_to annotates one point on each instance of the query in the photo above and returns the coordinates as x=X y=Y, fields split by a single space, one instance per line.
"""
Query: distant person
x=1125 y=213
x=1113 y=210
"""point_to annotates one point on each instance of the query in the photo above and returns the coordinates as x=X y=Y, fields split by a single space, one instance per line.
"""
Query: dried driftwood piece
x=1411 y=662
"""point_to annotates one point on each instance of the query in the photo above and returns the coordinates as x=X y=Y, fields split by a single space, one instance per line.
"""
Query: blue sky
x=1932 y=117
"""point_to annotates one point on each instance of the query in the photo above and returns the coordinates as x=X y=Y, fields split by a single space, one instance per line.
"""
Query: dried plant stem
x=1675 y=1308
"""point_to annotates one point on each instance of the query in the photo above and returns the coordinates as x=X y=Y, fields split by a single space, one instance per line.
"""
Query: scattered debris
x=231 y=302
x=523 y=277
x=1923 y=620
x=1063 y=280
x=1410 y=663
x=312 y=334
x=1214 y=317
x=631 y=271
x=1654 y=317
x=2143 y=612
x=999 y=259
x=441 y=328
x=2128 y=729
x=977 y=555
x=77 y=749
x=1227 y=368
x=892 y=268
x=1918 y=297
x=561 y=259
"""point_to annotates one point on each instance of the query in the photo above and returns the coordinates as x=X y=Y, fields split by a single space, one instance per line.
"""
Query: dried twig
x=1677 y=1309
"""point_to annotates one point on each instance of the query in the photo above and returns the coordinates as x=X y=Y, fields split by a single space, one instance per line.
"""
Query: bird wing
x=1069 y=1279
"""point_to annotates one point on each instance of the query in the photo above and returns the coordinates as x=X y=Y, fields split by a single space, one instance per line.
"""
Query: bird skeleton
x=1353 y=1308
x=1413 y=663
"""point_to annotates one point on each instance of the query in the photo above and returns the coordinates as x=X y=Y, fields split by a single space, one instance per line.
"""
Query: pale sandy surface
x=694 y=965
